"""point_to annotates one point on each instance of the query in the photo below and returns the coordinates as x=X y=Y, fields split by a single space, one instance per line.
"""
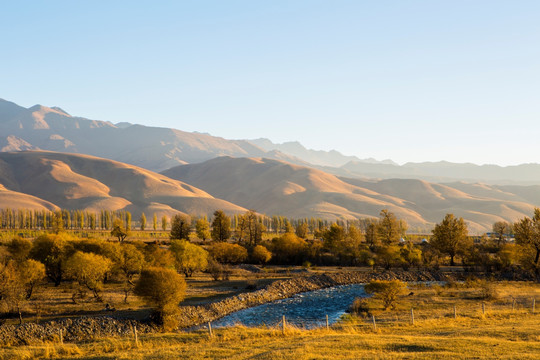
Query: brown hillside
x=85 y=182
x=278 y=187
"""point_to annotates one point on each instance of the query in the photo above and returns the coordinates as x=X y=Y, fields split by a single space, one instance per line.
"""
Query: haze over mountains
x=234 y=175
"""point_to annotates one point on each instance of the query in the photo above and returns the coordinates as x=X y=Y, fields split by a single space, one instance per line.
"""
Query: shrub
x=261 y=255
x=360 y=306
x=387 y=291
x=226 y=253
x=164 y=289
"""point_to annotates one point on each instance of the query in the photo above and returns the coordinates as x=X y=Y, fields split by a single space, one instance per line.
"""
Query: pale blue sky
x=406 y=80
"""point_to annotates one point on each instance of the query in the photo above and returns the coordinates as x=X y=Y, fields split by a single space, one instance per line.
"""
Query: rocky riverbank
x=86 y=328
x=195 y=315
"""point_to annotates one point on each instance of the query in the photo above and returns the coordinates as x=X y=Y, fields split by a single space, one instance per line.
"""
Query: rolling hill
x=277 y=187
x=49 y=180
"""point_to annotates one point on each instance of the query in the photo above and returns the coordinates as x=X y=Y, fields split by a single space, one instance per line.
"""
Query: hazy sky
x=406 y=80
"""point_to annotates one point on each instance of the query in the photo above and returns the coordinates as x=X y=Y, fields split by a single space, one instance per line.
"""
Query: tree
x=251 y=225
x=389 y=228
x=31 y=273
x=52 y=251
x=180 y=227
x=143 y=222
x=164 y=289
x=89 y=271
x=333 y=237
x=202 y=228
x=387 y=291
x=119 y=230
x=129 y=264
x=226 y=253
x=302 y=230
x=57 y=222
x=450 y=237
x=261 y=255
x=527 y=233
x=221 y=226
x=501 y=228
x=154 y=222
x=164 y=223
x=410 y=255
x=189 y=257
x=19 y=249
x=289 y=249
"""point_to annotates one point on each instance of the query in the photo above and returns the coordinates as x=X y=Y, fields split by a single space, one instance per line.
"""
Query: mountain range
x=50 y=159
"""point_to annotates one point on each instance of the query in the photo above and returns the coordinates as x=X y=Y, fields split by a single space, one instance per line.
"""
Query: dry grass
x=500 y=333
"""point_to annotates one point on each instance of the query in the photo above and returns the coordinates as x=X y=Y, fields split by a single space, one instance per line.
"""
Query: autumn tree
x=189 y=257
x=527 y=233
x=302 y=230
x=164 y=223
x=154 y=222
x=501 y=229
x=57 y=222
x=143 y=222
x=226 y=253
x=202 y=228
x=89 y=271
x=164 y=289
x=52 y=251
x=252 y=227
x=450 y=237
x=389 y=228
x=221 y=226
x=119 y=230
x=289 y=248
x=180 y=227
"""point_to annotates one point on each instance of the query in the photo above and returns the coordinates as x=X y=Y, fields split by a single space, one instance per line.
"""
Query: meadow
x=507 y=328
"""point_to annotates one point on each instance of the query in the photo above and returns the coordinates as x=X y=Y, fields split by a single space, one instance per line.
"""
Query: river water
x=305 y=310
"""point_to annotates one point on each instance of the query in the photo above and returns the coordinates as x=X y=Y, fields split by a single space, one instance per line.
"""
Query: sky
x=407 y=80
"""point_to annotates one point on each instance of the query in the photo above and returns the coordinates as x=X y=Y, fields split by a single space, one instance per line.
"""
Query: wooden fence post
x=483 y=308
x=513 y=304
x=412 y=316
x=136 y=335
x=533 y=305
x=210 y=329
x=374 y=323
x=283 y=325
x=327 y=325
x=61 y=336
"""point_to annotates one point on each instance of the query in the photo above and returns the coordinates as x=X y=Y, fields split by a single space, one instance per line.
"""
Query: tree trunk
x=452 y=263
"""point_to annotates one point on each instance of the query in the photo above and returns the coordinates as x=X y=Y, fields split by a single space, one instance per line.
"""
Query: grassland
x=499 y=333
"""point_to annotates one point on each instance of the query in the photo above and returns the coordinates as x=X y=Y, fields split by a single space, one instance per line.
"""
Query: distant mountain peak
x=332 y=158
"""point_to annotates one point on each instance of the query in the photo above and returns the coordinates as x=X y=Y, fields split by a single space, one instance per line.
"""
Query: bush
x=387 y=291
x=226 y=253
x=360 y=306
x=164 y=289
x=261 y=255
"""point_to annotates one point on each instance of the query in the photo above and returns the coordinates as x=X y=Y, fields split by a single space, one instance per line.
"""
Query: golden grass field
x=500 y=333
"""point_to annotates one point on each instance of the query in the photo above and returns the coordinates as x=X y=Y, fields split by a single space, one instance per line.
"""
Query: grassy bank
x=498 y=333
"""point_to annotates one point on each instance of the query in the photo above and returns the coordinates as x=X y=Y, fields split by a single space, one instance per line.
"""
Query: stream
x=306 y=310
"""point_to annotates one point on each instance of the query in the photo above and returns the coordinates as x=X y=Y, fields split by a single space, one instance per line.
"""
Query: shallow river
x=307 y=310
